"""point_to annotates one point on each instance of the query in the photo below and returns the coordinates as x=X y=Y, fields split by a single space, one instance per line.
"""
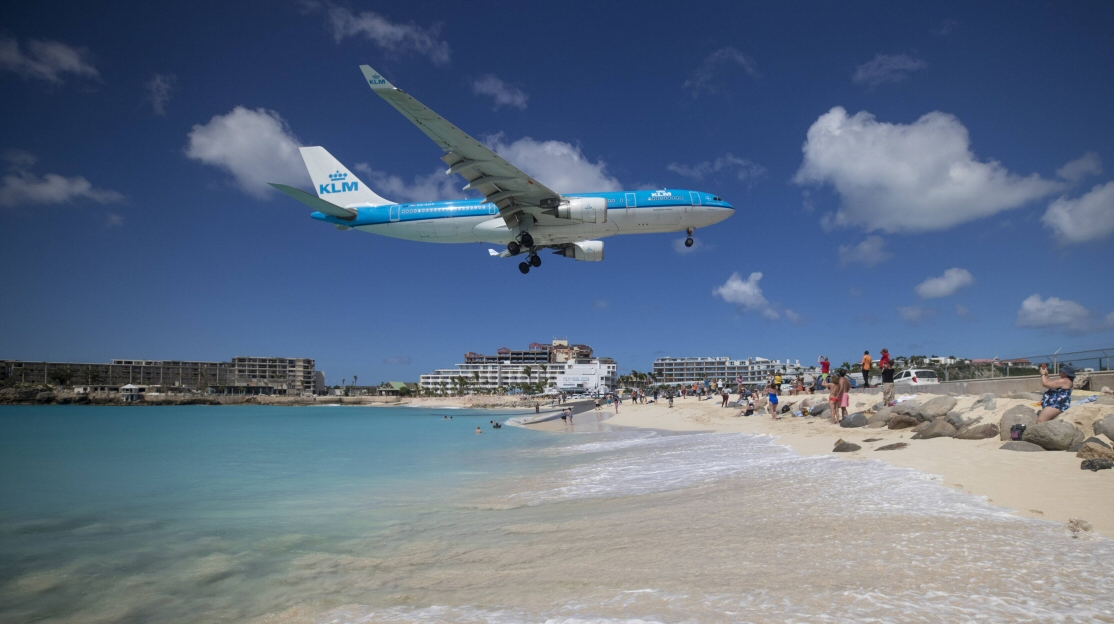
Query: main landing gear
x=524 y=243
x=534 y=261
x=689 y=241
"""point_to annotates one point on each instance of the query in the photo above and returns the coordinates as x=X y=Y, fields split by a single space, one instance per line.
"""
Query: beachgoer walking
x=597 y=404
x=616 y=404
x=669 y=394
x=887 y=366
x=845 y=391
x=726 y=396
x=867 y=363
x=771 y=390
x=1058 y=396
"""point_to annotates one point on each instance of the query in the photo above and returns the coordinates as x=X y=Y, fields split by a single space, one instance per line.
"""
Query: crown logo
x=338 y=176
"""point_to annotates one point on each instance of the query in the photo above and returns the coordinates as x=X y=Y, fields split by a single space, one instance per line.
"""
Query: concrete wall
x=1004 y=385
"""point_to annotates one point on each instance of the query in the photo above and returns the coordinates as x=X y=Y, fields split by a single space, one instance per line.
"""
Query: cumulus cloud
x=703 y=80
x=741 y=169
x=946 y=285
x=158 y=90
x=46 y=60
x=870 y=252
x=915 y=315
x=747 y=295
x=560 y=166
x=430 y=187
x=254 y=146
x=19 y=186
x=114 y=220
x=1059 y=314
x=1076 y=170
x=886 y=68
x=909 y=178
x=503 y=93
x=401 y=360
x=388 y=35
x=1084 y=219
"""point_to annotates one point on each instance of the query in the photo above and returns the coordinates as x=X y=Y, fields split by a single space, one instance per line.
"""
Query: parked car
x=917 y=377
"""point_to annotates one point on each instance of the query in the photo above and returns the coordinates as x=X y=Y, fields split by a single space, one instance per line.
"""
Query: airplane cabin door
x=695 y=200
x=395 y=209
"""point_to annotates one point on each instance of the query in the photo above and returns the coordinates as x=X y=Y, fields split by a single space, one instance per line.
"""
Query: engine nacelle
x=584 y=209
x=585 y=251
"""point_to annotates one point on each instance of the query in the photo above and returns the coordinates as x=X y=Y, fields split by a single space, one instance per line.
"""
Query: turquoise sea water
x=351 y=514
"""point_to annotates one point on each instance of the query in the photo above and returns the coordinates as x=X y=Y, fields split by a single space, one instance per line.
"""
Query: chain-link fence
x=1083 y=361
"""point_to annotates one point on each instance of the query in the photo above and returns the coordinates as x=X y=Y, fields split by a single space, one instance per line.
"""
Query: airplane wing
x=502 y=183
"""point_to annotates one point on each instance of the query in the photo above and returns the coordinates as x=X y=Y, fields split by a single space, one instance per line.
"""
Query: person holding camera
x=1057 y=398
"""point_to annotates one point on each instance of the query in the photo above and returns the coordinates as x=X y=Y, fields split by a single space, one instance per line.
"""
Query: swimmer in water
x=478 y=430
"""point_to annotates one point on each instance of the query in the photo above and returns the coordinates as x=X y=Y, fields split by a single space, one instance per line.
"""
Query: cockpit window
x=716 y=199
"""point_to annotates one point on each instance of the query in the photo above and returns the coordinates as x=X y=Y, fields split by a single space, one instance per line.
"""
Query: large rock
x=1105 y=427
x=896 y=446
x=1054 y=435
x=987 y=402
x=1077 y=440
x=876 y=425
x=939 y=428
x=820 y=410
x=845 y=447
x=937 y=407
x=1019 y=445
x=1016 y=415
x=1082 y=382
x=1028 y=396
x=1090 y=450
x=955 y=419
x=1103 y=399
x=1095 y=465
x=977 y=432
x=44 y=397
x=907 y=408
x=882 y=415
x=858 y=419
x=922 y=426
x=902 y=421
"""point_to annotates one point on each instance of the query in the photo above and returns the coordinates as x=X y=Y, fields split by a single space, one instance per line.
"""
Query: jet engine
x=584 y=251
x=582 y=209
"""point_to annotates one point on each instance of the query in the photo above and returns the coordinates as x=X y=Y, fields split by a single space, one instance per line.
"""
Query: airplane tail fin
x=334 y=182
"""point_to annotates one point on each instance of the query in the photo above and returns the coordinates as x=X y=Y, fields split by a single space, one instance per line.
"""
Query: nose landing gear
x=689 y=241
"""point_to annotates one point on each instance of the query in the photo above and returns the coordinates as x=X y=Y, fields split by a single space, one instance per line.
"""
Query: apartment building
x=671 y=370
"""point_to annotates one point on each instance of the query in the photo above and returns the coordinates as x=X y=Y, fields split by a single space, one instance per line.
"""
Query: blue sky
x=936 y=178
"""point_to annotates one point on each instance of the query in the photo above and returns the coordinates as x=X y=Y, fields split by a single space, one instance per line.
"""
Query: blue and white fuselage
x=478 y=221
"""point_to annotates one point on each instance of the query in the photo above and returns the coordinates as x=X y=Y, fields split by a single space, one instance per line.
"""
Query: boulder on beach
x=876 y=425
x=977 y=432
x=1105 y=427
x=845 y=447
x=1082 y=381
x=858 y=419
x=1019 y=445
x=939 y=428
x=1016 y=415
x=1107 y=390
x=1091 y=450
x=896 y=446
x=902 y=421
x=1054 y=435
x=922 y=426
x=907 y=408
x=937 y=407
x=1095 y=465
x=987 y=402
x=44 y=397
x=882 y=415
x=955 y=419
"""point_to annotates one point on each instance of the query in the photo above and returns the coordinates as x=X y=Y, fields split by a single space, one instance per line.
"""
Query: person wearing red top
x=825 y=365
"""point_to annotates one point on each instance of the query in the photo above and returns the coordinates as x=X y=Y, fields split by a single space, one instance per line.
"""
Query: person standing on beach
x=771 y=390
x=616 y=403
x=832 y=384
x=669 y=393
x=597 y=404
x=844 y=392
x=868 y=362
x=887 y=366
x=825 y=366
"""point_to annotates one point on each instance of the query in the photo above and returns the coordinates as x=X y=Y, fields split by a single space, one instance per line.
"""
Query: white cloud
x=870 y=252
x=20 y=186
x=1084 y=219
x=255 y=146
x=114 y=220
x=1076 y=170
x=560 y=166
x=46 y=60
x=742 y=169
x=886 y=68
x=962 y=310
x=503 y=93
x=946 y=285
x=1056 y=313
x=158 y=91
x=747 y=295
x=703 y=80
x=915 y=315
x=430 y=187
x=795 y=318
x=909 y=178
x=387 y=34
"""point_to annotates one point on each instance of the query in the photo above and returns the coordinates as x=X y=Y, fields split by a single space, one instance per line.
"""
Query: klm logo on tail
x=331 y=187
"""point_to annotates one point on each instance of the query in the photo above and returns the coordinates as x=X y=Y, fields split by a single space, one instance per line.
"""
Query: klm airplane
x=517 y=210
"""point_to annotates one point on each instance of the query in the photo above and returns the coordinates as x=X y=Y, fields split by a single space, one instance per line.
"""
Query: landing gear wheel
x=535 y=260
x=688 y=242
x=524 y=267
x=513 y=248
x=526 y=239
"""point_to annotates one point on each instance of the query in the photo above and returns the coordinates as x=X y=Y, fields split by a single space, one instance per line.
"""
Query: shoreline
x=1045 y=485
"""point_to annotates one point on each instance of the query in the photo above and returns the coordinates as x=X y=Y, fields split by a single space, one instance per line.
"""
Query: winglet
x=376 y=80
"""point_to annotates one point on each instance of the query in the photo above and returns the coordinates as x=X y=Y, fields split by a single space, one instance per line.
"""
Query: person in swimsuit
x=771 y=390
x=1057 y=398
x=833 y=397
x=844 y=391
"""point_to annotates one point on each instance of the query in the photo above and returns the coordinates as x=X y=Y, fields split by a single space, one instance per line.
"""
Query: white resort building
x=558 y=364
x=671 y=370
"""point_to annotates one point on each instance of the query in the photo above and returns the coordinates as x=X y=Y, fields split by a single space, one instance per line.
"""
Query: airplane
x=517 y=210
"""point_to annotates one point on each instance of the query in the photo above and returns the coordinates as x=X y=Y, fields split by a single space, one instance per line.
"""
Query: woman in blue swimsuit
x=1057 y=398
x=772 y=391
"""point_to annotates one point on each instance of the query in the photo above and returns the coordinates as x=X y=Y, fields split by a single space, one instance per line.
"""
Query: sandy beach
x=1047 y=485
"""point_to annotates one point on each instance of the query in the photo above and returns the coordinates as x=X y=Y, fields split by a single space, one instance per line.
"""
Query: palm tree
x=529 y=374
